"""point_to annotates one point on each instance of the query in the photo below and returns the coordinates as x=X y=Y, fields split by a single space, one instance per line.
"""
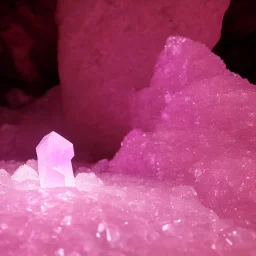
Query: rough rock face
x=107 y=51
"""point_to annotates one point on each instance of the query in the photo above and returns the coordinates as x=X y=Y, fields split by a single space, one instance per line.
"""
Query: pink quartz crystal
x=54 y=161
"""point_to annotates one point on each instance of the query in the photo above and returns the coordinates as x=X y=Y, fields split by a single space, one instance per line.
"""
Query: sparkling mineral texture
x=107 y=51
x=54 y=161
x=183 y=182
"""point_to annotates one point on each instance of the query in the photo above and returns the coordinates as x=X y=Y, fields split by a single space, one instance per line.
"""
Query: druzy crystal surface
x=54 y=161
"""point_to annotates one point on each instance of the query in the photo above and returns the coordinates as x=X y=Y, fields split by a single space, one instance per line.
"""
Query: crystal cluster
x=54 y=161
x=201 y=130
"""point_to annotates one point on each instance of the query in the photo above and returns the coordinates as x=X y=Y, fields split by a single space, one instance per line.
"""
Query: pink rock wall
x=107 y=51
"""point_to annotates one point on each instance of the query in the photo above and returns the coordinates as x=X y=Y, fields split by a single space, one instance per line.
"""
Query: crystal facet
x=54 y=161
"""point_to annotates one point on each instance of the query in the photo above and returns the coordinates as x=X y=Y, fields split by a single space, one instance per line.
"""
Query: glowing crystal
x=54 y=161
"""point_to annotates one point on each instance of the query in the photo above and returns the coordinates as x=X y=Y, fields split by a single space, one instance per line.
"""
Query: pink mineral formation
x=54 y=161
x=197 y=126
x=107 y=52
x=183 y=182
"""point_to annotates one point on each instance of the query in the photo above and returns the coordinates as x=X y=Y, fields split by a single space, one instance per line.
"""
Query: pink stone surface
x=183 y=182
x=107 y=52
x=126 y=216
x=54 y=161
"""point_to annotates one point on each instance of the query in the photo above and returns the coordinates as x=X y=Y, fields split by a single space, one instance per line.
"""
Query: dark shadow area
x=237 y=46
x=28 y=48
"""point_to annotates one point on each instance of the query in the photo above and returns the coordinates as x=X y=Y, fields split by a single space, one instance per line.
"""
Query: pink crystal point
x=54 y=155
